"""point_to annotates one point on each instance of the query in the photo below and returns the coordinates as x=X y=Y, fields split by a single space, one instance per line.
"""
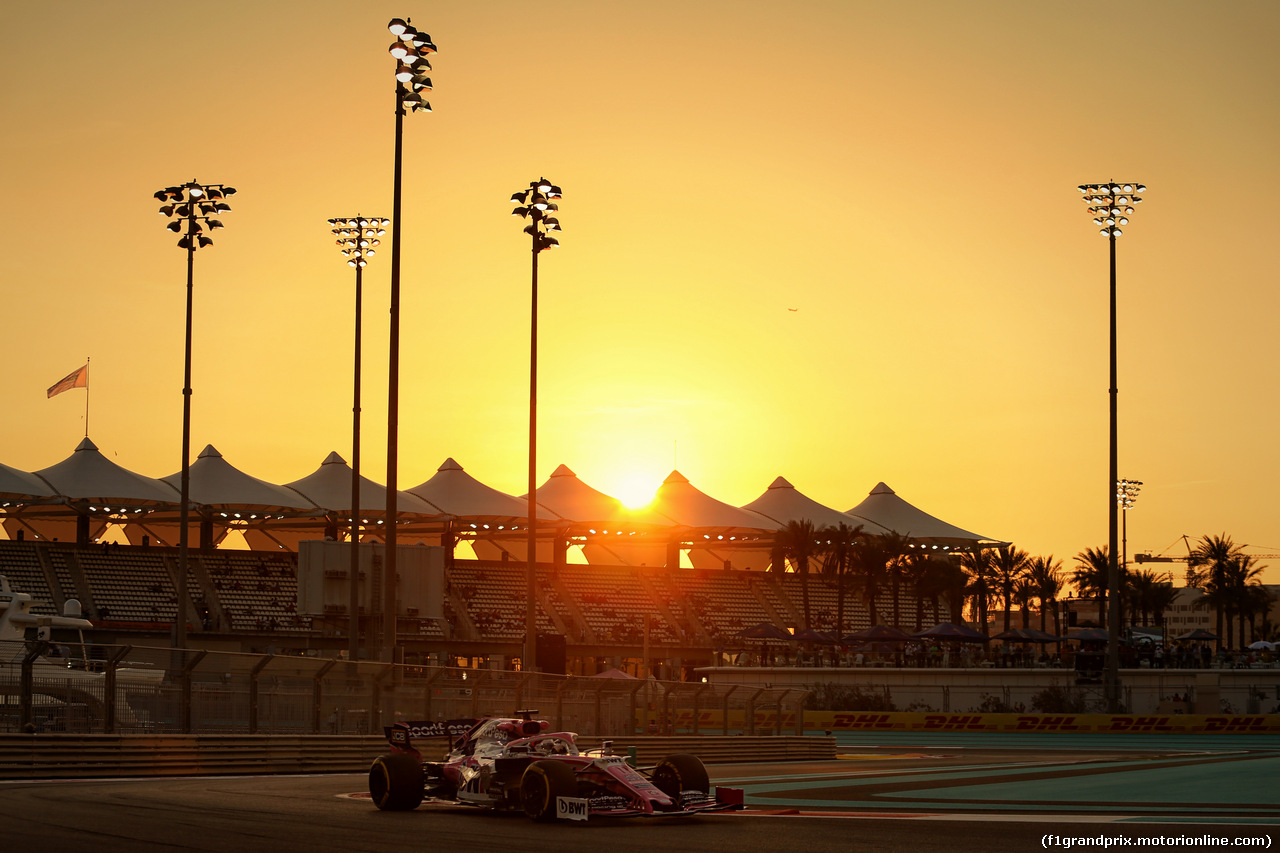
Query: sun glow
x=635 y=490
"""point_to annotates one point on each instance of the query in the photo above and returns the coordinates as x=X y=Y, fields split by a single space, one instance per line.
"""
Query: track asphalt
x=892 y=793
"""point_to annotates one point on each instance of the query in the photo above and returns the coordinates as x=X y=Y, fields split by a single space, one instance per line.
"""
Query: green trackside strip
x=1159 y=742
x=951 y=773
x=1205 y=789
x=1247 y=781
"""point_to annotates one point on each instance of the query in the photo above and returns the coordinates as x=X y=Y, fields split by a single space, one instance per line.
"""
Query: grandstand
x=247 y=600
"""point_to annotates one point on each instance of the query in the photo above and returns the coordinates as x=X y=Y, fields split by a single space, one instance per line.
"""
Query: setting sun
x=635 y=490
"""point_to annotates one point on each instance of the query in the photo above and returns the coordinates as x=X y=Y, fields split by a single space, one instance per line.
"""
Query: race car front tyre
x=395 y=782
x=681 y=772
x=542 y=784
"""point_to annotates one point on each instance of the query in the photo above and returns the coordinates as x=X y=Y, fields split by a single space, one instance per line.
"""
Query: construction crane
x=1159 y=558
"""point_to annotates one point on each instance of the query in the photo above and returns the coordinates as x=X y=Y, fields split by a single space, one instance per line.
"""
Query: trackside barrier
x=57 y=756
x=848 y=721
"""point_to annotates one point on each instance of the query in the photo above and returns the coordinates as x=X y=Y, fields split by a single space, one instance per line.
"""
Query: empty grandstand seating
x=20 y=563
x=255 y=593
x=258 y=590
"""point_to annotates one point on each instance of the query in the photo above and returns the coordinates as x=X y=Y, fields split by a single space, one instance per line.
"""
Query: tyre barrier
x=64 y=756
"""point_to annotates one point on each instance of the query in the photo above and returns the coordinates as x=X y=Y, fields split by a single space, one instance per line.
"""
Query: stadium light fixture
x=1111 y=204
x=184 y=202
x=358 y=239
x=537 y=204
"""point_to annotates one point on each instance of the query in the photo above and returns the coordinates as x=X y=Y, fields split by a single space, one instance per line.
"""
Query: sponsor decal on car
x=571 y=808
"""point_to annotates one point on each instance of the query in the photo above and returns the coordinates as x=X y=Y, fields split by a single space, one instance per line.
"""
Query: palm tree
x=953 y=580
x=1023 y=592
x=1090 y=578
x=870 y=564
x=798 y=542
x=1209 y=567
x=837 y=561
x=1161 y=599
x=896 y=551
x=1242 y=576
x=1141 y=587
x=1009 y=565
x=1209 y=557
x=1046 y=574
x=977 y=565
x=1257 y=605
x=930 y=578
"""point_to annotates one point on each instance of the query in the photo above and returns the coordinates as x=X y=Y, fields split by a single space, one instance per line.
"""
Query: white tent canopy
x=454 y=492
x=568 y=497
x=21 y=486
x=783 y=503
x=884 y=508
x=89 y=476
x=329 y=487
x=678 y=500
x=221 y=487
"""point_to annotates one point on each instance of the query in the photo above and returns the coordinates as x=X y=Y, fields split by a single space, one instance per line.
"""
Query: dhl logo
x=1049 y=723
x=955 y=722
x=862 y=721
x=1239 y=724
x=1141 y=724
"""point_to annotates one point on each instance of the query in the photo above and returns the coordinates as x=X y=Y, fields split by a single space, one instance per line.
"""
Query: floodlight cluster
x=410 y=51
x=538 y=204
x=1127 y=493
x=199 y=205
x=358 y=237
x=1111 y=204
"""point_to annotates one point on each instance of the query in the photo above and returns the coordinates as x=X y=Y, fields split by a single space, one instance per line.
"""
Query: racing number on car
x=571 y=808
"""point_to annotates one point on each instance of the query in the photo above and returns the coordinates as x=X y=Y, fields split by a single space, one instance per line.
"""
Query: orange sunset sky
x=839 y=242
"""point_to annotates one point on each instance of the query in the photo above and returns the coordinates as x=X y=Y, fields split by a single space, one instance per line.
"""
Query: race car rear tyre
x=542 y=784
x=395 y=782
x=681 y=772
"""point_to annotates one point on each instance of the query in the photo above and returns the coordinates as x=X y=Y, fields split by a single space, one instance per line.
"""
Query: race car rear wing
x=401 y=735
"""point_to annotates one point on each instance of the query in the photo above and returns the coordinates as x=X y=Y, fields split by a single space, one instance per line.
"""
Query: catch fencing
x=148 y=690
x=106 y=689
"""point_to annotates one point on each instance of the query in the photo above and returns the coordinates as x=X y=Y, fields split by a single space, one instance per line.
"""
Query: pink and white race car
x=515 y=763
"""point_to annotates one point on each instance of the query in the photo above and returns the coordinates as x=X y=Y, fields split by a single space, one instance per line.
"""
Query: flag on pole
x=78 y=378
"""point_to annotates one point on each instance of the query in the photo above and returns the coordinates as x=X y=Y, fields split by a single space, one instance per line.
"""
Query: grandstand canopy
x=883 y=507
x=329 y=487
x=89 y=476
x=570 y=498
x=783 y=502
x=20 y=486
x=453 y=491
x=567 y=496
x=678 y=500
x=219 y=486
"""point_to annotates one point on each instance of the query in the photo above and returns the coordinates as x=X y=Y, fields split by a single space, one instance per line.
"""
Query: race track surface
x=956 y=793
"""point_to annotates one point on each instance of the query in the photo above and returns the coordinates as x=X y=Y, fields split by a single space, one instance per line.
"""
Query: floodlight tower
x=192 y=208
x=1111 y=204
x=1126 y=496
x=410 y=50
x=358 y=241
x=538 y=205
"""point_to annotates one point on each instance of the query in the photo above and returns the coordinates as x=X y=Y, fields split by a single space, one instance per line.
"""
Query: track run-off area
x=888 y=791
x=1082 y=778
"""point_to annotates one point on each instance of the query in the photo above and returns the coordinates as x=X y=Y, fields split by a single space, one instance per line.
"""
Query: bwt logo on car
x=571 y=808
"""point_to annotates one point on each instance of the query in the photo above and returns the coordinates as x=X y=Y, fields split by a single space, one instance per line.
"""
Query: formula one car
x=510 y=763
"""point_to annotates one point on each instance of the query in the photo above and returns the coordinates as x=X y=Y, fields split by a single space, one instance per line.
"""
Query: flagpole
x=86 y=396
